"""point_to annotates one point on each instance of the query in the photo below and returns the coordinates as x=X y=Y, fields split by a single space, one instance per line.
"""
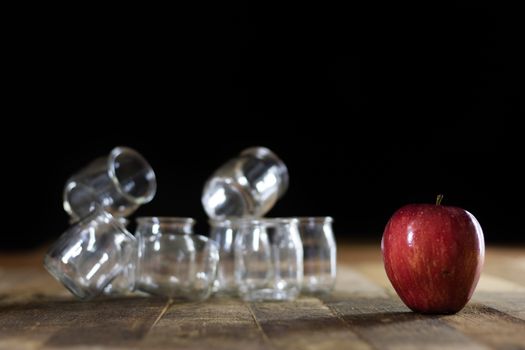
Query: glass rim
x=279 y=220
x=152 y=182
x=70 y=185
x=316 y=219
x=194 y=237
x=175 y=220
x=240 y=221
x=232 y=220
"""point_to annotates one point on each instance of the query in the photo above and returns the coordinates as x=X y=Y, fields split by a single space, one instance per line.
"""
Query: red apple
x=433 y=256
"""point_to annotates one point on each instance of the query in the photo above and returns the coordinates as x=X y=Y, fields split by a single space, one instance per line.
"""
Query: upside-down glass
x=224 y=232
x=174 y=263
x=90 y=254
x=319 y=259
x=248 y=185
x=268 y=259
x=120 y=183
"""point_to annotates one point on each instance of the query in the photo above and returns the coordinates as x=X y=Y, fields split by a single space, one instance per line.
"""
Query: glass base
x=223 y=199
x=269 y=294
x=316 y=285
x=179 y=294
x=226 y=289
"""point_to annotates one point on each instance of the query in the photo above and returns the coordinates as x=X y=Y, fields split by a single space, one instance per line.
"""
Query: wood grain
x=489 y=326
x=510 y=302
x=363 y=312
x=49 y=323
x=508 y=263
x=386 y=323
x=216 y=324
x=304 y=324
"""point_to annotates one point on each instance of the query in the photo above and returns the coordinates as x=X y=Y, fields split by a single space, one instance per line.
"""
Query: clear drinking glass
x=248 y=185
x=268 y=259
x=120 y=183
x=174 y=263
x=90 y=254
x=319 y=258
x=165 y=224
x=224 y=232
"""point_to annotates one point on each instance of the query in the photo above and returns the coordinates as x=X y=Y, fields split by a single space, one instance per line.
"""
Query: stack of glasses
x=265 y=258
x=257 y=258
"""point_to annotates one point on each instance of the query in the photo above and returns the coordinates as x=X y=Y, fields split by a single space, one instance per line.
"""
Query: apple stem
x=439 y=199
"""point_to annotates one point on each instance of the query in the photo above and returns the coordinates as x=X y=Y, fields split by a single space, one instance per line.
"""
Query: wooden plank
x=305 y=324
x=508 y=263
x=497 y=301
x=30 y=304
x=215 y=324
x=363 y=312
x=22 y=284
x=502 y=304
x=349 y=281
x=490 y=326
x=388 y=324
x=490 y=283
x=375 y=273
x=28 y=326
x=511 y=303
x=385 y=322
x=67 y=322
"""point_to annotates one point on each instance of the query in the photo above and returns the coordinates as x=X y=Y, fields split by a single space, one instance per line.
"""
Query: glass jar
x=119 y=183
x=173 y=262
x=248 y=185
x=224 y=232
x=268 y=259
x=319 y=250
x=124 y=283
x=90 y=254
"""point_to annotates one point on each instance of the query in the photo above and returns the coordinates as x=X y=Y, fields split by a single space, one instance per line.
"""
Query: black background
x=370 y=109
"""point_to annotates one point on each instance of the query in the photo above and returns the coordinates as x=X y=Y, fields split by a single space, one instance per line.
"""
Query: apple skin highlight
x=433 y=256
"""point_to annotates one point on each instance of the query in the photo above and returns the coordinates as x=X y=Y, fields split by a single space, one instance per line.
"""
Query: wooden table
x=363 y=313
